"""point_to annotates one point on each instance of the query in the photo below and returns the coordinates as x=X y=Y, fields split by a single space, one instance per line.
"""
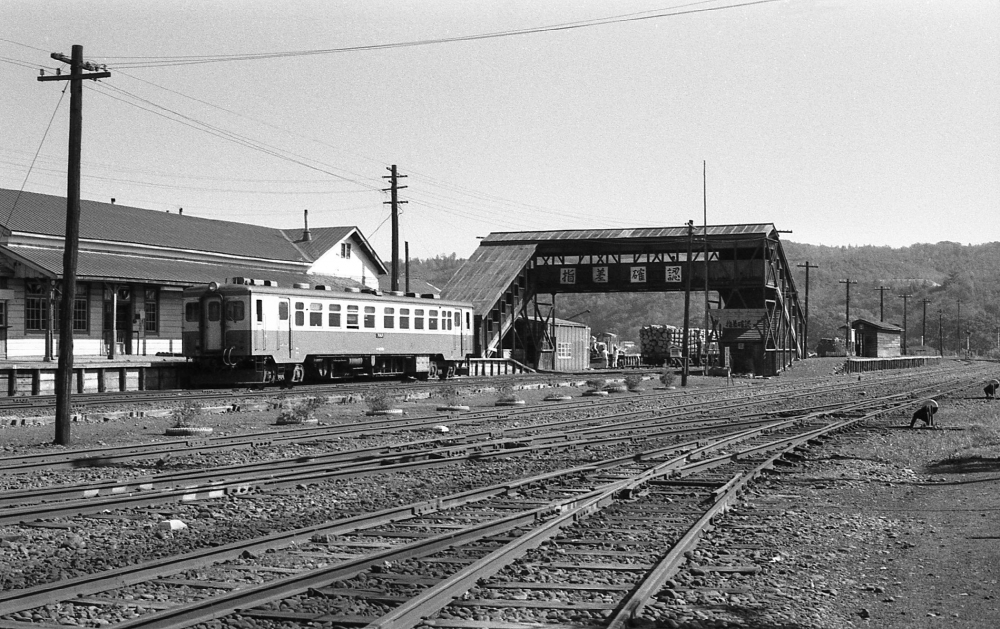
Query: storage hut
x=876 y=340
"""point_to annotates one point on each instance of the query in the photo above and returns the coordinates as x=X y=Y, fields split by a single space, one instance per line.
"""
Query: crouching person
x=925 y=414
x=991 y=388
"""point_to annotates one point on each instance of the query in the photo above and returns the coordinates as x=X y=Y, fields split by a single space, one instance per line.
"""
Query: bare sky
x=848 y=122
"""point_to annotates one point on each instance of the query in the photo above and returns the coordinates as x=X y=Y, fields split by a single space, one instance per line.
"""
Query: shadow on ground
x=966 y=465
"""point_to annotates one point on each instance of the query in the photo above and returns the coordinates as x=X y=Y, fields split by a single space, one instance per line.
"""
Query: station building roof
x=882 y=326
x=133 y=244
x=639 y=233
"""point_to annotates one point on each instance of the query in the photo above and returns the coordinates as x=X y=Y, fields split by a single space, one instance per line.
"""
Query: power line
x=160 y=62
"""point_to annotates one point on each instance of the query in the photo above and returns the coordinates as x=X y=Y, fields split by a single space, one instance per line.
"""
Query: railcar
x=255 y=332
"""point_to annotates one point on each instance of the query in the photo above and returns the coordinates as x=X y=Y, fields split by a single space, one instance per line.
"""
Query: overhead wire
x=159 y=62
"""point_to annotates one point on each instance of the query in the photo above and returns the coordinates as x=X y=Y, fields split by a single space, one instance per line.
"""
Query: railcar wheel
x=432 y=370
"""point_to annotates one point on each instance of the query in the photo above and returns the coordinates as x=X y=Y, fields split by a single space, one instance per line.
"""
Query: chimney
x=306 y=234
x=112 y=200
x=180 y=210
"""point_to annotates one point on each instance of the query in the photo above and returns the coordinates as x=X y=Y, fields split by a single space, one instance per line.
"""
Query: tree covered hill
x=946 y=274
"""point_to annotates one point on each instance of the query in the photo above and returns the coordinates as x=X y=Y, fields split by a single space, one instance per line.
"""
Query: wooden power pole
x=64 y=373
x=394 y=189
x=807 y=266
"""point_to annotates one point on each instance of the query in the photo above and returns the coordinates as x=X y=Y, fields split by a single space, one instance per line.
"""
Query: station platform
x=91 y=374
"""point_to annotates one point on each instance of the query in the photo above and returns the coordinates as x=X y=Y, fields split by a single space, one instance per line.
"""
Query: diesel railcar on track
x=254 y=332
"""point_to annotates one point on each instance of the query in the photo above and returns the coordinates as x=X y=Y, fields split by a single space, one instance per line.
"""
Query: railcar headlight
x=213 y=286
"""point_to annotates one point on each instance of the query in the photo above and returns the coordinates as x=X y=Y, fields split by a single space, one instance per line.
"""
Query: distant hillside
x=942 y=273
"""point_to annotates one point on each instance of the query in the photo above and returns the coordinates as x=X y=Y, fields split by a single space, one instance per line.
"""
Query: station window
x=81 y=308
x=36 y=307
x=404 y=318
x=151 y=308
x=192 y=312
x=235 y=310
x=3 y=313
x=315 y=315
x=283 y=310
x=432 y=320
x=300 y=313
x=369 y=316
x=345 y=250
x=352 y=317
x=564 y=350
x=389 y=321
x=334 y=316
x=418 y=319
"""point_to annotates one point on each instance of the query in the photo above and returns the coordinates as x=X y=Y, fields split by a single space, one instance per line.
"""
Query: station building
x=134 y=263
x=873 y=339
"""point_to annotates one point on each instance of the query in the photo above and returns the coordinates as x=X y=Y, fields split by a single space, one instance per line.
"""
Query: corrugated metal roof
x=486 y=274
x=45 y=214
x=326 y=238
x=751 y=229
x=94 y=266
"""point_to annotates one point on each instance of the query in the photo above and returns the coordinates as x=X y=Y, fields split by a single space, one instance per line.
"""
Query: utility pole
x=394 y=188
x=406 y=248
x=923 y=330
x=704 y=205
x=848 y=282
x=881 y=302
x=940 y=333
x=687 y=305
x=905 y=297
x=807 y=266
x=958 y=339
x=64 y=372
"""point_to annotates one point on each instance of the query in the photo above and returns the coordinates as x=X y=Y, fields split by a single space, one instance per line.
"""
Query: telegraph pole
x=905 y=297
x=807 y=266
x=848 y=282
x=940 y=333
x=394 y=188
x=958 y=339
x=923 y=330
x=881 y=302
x=64 y=372
x=687 y=304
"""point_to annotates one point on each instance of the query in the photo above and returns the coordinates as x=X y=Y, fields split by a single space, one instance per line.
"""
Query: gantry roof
x=762 y=230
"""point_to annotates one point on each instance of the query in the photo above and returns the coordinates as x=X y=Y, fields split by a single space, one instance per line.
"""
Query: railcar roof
x=329 y=294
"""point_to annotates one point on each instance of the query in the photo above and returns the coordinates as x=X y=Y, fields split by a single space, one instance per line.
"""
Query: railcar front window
x=404 y=318
x=315 y=315
x=214 y=311
x=352 y=317
x=192 y=312
x=389 y=320
x=235 y=311
x=334 y=316
x=418 y=319
x=369 y=316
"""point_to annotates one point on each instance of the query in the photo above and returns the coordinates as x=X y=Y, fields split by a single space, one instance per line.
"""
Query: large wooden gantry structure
x=513 y=278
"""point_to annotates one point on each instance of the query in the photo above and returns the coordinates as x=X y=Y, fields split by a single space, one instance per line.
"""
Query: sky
x=843 y=122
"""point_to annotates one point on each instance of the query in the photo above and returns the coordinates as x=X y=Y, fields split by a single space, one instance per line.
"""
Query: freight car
x=254 y=332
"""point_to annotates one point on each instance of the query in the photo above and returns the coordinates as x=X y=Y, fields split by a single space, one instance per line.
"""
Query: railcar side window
x=369 y=316
x=334 y=316
x=214 y=311
x=404 y=318
x=418 y=319
x=432 y=320
x=352 y=317
x=235 y=311
x=300 y=313
x=192 y=312
x=445 y=319
x=389 y=321
x=260 y=311
x=315 y=315
x=283 y=310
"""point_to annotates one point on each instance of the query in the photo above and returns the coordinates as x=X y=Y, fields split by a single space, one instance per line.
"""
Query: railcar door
x=284 y=329
x=212 y=323
x=259 y=326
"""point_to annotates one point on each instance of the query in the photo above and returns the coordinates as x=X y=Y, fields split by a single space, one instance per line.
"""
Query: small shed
x=875 y=339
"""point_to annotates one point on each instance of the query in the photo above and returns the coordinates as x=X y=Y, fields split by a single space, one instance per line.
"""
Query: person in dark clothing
x=925 y=414
x=991 y=388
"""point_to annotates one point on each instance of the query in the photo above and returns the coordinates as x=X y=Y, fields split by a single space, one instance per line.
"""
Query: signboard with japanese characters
x=673 y=274
x=567 y=275
x=740 y=318
x=637 y=274
x=600 y=274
